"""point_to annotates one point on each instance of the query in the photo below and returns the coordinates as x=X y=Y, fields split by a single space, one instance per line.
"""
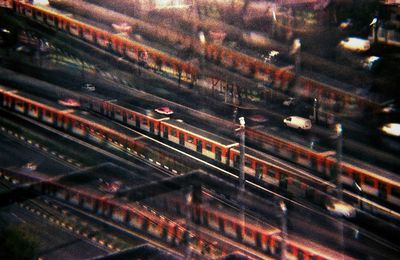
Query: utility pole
x=189 y=198
x=283 y=208
x=339 y=148
x=374 y=29
x=296 y=51
x=315 y=110
x=242 y=132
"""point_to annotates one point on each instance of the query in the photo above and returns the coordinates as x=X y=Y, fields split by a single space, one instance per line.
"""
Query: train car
x=146 y=120
x=198 y=140
x=385 y=187
x=255 y=165
x=35 y=107
x=134 y=51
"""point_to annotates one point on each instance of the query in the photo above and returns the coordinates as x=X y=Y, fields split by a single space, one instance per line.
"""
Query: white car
x=341 y=209
x=89 y=87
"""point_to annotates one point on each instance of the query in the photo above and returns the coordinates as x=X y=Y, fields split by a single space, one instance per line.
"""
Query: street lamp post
x=189 y=199
x=283 y=208
x=374 y=29
x=339 y=148
x=315 y=110
x=242 y=132
x=296 y=50
x=360 y=197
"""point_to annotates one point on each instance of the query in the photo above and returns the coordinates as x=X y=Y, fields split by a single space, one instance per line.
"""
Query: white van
x=355 y=44
x=298 y=122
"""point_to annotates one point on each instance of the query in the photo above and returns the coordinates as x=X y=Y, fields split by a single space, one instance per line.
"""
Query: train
x=221 y=150
x=188 y=71
x=383 y=186
x=142 y=218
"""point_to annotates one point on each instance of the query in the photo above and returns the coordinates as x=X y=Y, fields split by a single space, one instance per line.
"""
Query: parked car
x=298 y=122
x=164 y=111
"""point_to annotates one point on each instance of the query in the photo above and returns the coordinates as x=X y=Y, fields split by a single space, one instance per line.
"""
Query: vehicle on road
x=89 y=87
x=69 y=102
x=298 y=122
x=31 y=166
x=290 y=101
x=258 y=118
x=164 y=110
x=109 y=186
x=391 y=108
x=392 y=129
x=340 y=209
x=355 y=44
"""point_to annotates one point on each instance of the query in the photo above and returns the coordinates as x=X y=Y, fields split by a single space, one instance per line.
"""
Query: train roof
x=147 y=112
x=104 y=122
x=179 y=124
x=33 y=98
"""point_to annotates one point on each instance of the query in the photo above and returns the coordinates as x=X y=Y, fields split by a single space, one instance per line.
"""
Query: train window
x=346 y=173
x=173 y=132
x=300 y=255
x=271 y=172
x=248 y=232
x=130 y=117
x=296 y=182
x=190 y=139
x=208 y=146
x=248 y=163
x=369 y=181
x=48 y=113
x=396 y=192
x=145 y=121
x=213 y=217
x=259 y=172
x=19 y=103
